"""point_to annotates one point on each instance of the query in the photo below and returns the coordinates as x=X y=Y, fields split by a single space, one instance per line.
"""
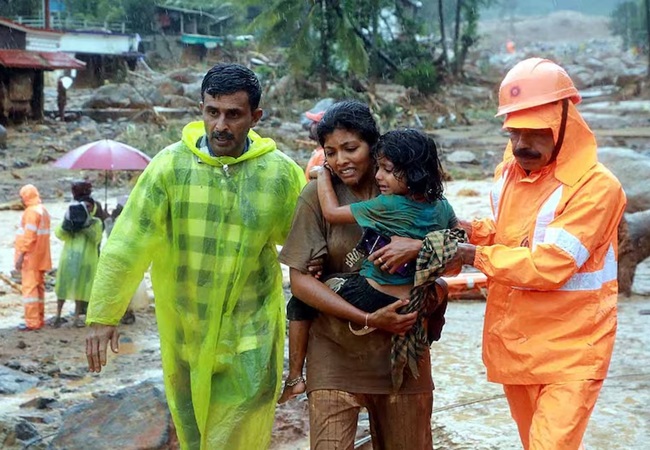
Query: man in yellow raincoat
x=32 y=256
x=207 y=213
x=550 y=255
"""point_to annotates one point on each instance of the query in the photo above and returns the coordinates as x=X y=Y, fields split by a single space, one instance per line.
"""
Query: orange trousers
x=33 y=287
x=552 y=416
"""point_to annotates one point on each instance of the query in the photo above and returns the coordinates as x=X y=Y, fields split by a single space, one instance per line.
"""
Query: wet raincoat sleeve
x=295 y=183
x=483 y=231
x=30 y=224
x=134 y=242
x=588 y=221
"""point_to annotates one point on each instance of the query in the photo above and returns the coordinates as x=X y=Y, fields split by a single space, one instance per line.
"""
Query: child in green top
x=411 y=204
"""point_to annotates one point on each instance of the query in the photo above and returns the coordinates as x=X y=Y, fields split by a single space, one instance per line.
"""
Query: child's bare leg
x=298 y=338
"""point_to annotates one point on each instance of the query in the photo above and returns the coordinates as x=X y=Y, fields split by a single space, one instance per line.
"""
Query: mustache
x=222 y=135
x=527 y=153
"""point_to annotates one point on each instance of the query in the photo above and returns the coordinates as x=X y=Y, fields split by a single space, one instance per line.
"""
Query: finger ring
x=381 y=261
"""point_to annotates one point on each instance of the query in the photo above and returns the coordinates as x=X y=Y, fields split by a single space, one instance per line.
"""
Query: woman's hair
x=349 y=115
x=415 y=157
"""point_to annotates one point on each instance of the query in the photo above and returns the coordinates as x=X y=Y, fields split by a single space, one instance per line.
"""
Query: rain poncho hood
x=550 y=255
x=29 y=194
x=578 y=153
x=209 y=226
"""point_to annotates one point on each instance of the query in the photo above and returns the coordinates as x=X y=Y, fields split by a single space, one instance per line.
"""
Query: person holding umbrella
x=207 y=213
x=81 y=232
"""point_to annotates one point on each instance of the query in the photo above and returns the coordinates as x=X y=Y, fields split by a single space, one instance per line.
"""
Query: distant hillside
x=541 y=7
x=561 y=26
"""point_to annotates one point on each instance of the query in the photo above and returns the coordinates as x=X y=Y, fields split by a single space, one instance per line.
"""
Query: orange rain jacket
x=33 y=236
x=550 y=255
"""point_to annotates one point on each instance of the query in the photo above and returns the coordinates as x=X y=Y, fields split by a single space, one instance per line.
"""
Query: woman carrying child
x=346 y=371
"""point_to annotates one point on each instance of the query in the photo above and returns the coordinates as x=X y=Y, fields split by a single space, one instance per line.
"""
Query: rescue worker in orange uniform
x=32 y=256
x=550 y=255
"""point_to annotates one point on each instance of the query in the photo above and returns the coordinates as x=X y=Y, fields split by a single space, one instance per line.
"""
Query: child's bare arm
x=332 y=211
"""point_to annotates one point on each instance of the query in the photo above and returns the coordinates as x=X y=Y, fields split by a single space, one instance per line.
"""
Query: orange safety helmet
x=534 y=82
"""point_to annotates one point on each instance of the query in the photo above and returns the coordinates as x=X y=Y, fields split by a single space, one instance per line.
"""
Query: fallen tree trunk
x=633 y=247
x=16 y=205
x=14 y=286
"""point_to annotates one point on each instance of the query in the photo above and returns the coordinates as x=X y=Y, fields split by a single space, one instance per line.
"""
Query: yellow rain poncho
x=209 y=226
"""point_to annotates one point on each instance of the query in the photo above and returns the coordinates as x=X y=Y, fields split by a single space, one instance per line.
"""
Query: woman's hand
x=388 y=319
x=315 y=267
x=395 y=254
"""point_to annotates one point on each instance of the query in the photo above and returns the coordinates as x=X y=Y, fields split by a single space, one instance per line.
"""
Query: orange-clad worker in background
x=317 y=158
x=550 y=255
x=32 y=257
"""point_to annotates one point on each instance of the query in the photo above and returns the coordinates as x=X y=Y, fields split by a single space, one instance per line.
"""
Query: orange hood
x=29 y=194
x=578 y=153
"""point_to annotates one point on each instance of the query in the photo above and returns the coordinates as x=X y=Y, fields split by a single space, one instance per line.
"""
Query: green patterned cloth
x=438 y=248
x=209 y=226
x=78 y=262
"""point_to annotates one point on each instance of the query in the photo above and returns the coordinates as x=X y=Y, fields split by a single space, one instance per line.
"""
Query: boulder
x=13 y=381
x=632 y=169
x=134 y=418
x=117 y=96
x=462 y=157
x=186 y=76
x=193 y=90
x=17 y=433
x=180 y=101
x=169 y=87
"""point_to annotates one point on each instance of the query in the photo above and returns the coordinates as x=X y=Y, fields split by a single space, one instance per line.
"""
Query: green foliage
x=20 y=7
x=139 y=14
x=628 y=21
x=423 y=76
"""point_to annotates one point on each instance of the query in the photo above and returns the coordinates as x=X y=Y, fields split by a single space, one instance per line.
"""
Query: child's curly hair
x=415 y=157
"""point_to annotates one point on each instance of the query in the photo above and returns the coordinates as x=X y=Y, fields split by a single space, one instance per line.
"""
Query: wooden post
x=46 y=14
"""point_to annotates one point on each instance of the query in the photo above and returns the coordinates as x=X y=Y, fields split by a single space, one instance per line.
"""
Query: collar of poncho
x=195 y=130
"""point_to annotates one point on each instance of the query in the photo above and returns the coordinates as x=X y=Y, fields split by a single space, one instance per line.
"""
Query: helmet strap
x=560 y=135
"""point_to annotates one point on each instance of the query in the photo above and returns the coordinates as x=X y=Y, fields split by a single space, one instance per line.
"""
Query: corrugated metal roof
x=26 y=29
x=39 y=60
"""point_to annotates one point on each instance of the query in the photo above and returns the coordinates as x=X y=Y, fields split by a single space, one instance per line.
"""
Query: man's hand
x=388 y=319
x=97 y=341
x=396 y=253
x=19 y=262
x=464 y=257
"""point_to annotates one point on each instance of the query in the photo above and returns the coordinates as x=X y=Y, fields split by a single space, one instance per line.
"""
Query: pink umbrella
x=104 y=155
